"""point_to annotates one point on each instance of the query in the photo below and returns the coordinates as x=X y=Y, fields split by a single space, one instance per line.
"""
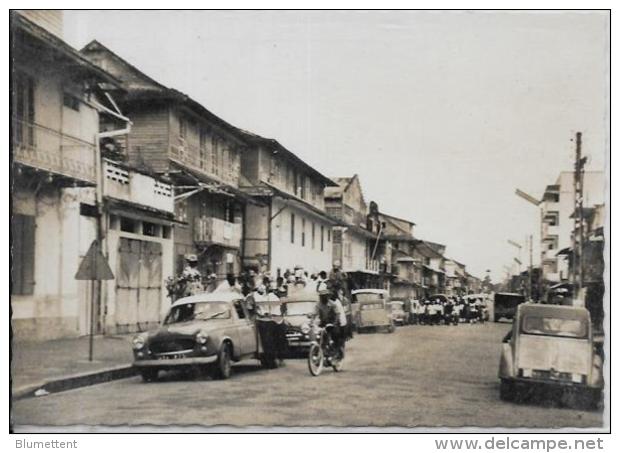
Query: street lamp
x=536 y=202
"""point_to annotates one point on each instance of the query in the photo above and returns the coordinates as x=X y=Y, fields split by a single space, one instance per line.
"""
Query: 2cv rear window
x=557 y=327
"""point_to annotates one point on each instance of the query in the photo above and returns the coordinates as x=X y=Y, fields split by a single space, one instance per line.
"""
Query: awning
x=213 y=185
x=405 y=259
x=302 y=205
x=140 y=212
x=565 y=251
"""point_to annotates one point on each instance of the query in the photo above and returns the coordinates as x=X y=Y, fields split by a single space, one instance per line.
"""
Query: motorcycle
x=324 y=353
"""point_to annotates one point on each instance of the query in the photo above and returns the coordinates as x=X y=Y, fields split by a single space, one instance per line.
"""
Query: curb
x=75 y=381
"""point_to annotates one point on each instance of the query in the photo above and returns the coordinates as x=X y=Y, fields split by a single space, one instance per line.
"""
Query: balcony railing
x=210 y=230
x=50 y=150
x=202 y=161
x=373 y=265
x=136 y=188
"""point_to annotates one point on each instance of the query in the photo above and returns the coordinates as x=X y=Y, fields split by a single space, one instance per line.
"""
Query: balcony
x=133 y=187
x=202 y=161
x=52 y=151
x=210 y=230
x=373 y=266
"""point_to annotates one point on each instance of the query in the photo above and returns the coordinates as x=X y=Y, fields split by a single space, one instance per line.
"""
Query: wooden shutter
x=22 y=275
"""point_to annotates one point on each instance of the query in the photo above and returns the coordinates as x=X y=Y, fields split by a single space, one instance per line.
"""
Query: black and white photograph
x=281 y=220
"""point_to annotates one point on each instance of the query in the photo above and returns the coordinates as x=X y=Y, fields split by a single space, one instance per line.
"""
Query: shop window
x=23 y=246
x=128 y=225
x=149 y=229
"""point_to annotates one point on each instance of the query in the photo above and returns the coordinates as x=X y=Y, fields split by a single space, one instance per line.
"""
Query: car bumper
x=548 y=383
x=167 y=363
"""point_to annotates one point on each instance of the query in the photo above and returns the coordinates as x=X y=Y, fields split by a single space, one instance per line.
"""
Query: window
x=23 y=109
x=149 y=229
x=71 y=102
x=329 y=235
x=303 y=232
x=302 y=187
x=322 y=235
x=23 y=241
x=313 y=235
x=128 y=225
x=204 y=149
x=292 y=228
x=167 y=232
x=183 y=127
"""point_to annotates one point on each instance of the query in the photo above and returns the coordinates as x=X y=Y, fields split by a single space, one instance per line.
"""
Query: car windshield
x=200 y=311
x=538 y=325
x=368 y=297
x=396 y=306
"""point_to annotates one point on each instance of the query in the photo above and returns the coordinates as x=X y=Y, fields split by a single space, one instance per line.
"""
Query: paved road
x=418 y=376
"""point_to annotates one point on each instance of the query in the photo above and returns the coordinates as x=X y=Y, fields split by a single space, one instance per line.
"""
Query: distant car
x=551 y=346
x=209 y=331
x=505 y=305
x=397 y=311
x=371 y=310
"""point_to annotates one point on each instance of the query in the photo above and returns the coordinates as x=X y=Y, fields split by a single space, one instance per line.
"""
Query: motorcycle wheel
x=315 y=359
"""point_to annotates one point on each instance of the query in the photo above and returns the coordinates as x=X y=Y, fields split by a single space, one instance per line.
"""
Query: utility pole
x=530 y=267
x=578 y=233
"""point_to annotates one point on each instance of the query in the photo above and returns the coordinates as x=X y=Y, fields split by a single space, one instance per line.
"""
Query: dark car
x=505 y=305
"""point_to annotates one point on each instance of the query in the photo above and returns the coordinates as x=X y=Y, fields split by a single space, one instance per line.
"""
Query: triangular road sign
x=94 y=265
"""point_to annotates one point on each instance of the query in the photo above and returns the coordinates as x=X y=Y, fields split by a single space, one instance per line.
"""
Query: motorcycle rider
x=329 y=310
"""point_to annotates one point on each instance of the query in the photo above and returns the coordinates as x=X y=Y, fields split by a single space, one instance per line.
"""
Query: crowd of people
x=450 y=310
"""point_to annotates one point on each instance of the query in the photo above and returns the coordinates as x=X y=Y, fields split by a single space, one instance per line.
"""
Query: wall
x=286 y=255
x=148 y=141
x=59 y=306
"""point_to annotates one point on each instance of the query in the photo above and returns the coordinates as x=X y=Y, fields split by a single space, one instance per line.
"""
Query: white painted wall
x=59 y=305
x=286 y=255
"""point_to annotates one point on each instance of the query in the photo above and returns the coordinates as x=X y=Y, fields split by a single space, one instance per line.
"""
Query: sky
x=441 y=114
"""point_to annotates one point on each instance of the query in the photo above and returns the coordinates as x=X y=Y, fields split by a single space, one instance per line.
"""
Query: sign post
x=94 y=267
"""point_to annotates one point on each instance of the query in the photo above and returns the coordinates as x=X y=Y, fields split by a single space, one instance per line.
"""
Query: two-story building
x=353 y=242
x=54 y=127
x=139 y=230
x=405 y=279
x=456 y=278
x=290 y=228
x=196 y=152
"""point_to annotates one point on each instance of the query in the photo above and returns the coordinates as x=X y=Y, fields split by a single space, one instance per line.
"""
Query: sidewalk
x=56 y=365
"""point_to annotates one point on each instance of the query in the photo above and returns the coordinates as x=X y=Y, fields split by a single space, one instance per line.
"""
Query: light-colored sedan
x=209 y=330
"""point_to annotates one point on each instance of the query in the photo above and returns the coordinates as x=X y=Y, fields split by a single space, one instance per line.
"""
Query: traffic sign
x=94 y=266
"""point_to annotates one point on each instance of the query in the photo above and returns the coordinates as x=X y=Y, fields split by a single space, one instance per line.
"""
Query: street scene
x=406 y=249
x=449 y=381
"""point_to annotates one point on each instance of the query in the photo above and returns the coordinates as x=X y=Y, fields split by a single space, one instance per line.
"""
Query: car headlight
x=138 y=342
x=201 y=338
x=305 y=328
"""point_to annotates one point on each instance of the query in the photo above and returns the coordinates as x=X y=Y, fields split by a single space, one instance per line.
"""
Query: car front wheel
x=224 y=362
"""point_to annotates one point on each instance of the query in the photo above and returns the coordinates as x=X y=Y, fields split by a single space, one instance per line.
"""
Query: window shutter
x=22 y=275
